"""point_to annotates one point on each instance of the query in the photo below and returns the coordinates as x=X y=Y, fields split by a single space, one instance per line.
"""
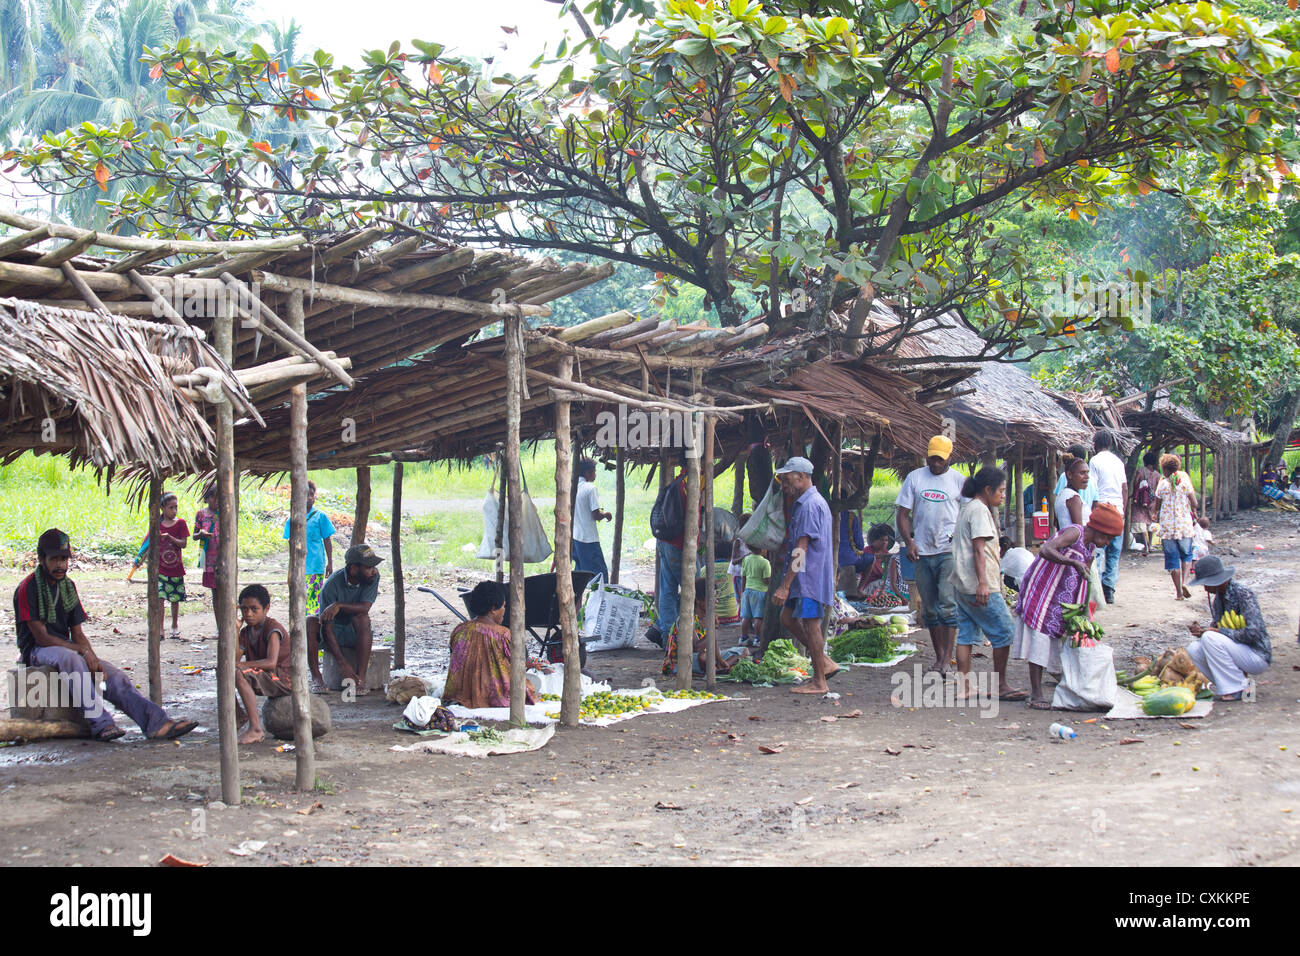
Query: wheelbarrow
x=541 y=611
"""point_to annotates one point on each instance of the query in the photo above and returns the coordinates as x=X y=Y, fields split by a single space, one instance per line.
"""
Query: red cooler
x=1042 y=528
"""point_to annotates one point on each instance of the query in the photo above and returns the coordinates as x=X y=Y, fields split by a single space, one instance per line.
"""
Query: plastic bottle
x=1043 y=509
x=1062 y=731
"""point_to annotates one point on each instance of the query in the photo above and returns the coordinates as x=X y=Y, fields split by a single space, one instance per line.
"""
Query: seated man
x=1224 y=654
x=49 y=616
x=344 y=619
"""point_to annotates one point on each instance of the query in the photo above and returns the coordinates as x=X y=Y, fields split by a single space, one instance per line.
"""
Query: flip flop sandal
x=1038 y=704
x=180 y=728
x=109 y=733
x=1014 y=696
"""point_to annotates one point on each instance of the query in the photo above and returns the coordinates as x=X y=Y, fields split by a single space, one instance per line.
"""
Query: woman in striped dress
x=1058 y=575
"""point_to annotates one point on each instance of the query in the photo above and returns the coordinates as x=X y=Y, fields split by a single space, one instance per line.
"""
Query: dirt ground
x=895 y=785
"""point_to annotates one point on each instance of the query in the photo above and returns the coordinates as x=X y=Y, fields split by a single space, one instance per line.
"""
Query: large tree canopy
x=836 y=149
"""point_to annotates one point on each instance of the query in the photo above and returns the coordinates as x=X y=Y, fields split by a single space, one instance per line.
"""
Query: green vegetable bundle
x=872 y=645
x=783 y=653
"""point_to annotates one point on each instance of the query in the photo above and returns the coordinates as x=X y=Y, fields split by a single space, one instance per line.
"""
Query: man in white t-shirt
x=926 y=514
x=587 y=555
x=1106 y=474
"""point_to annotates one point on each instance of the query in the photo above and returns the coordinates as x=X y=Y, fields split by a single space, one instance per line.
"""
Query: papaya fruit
x=1169 y=702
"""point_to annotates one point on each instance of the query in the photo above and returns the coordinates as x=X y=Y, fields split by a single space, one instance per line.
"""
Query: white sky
x=469 y=27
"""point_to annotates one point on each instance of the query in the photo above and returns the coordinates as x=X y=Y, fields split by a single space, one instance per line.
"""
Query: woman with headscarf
x=1058 y=575
x=1177 y=500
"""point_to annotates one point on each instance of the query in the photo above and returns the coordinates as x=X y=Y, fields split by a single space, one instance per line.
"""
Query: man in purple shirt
x=808 y=587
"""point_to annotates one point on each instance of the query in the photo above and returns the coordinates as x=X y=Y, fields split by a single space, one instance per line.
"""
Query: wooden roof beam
x=139 y=244
x=24 y=239
x=68 y=251
x=390 y=300
x=137 y=259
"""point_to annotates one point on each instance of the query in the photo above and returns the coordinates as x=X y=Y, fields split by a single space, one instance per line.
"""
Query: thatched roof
x=99 y=388
x=1168 y=424
x=1002 y=406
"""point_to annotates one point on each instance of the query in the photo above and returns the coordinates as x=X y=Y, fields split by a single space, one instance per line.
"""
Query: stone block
x=381 y=663
x=42 y=693
x=277 y=717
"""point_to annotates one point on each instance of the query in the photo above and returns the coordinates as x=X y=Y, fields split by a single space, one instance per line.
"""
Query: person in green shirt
x=756 y=570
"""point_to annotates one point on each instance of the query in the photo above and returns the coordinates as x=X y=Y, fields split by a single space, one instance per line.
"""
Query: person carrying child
x=264 y=668
x=173 y=534
x=756 y=570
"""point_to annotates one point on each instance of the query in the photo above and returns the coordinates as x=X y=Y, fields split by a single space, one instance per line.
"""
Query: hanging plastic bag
x=766 y=526
x=537 y=546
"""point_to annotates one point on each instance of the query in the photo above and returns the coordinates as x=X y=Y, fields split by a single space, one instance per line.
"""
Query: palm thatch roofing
x=1166 y=423
x=373 y=302
x=99 y=388
x=1000 y=406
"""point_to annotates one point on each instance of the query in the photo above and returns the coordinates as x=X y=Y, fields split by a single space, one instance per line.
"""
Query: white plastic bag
x=610 y=619
x=766 y=526
x=1087 y=679
x=419 y=710
x=537 y=547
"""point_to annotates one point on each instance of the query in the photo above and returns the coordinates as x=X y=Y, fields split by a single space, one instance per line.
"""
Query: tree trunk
x=1282 y=437
x=362 y=516
x=515 y=507
x=299 y=671
x=501 y=519
x=710 y=559
x=571 y=700
x=399 y=592
x=157 y=610
x=224 y=595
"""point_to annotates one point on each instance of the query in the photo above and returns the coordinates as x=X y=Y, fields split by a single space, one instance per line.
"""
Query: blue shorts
x=1178 y=551
x=803 y=607
x=975 y=623
x=752 y=604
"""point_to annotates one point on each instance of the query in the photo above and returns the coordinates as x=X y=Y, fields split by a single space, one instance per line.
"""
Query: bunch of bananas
x=1232 y=620
x=1145 y=685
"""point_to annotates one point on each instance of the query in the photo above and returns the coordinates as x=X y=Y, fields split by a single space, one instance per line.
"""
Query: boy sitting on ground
x=264 y=670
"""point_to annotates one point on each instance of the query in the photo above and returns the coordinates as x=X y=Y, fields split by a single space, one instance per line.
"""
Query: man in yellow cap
x=926 y=515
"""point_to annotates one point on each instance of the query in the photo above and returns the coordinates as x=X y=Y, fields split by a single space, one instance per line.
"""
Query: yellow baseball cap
x=940 y=446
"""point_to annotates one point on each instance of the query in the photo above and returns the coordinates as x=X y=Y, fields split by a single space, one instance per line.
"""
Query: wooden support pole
x=299 y=667
x=1051 y=491
x=156 y=608
x=1019 y=512
x=571 y=698
x=1205 y=505
x=836 y=485
x=664 y=626
x=515 y=509
x=690 y=552
x=399 y=586
x=501 y=518
x=361 y=517
x=224 y=595
x=710 y=561
x=620 y=500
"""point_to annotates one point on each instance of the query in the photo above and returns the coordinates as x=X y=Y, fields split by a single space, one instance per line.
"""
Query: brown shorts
x=266 y=683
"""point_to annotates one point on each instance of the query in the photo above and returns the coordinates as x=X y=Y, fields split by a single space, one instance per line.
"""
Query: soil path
x=897 y=785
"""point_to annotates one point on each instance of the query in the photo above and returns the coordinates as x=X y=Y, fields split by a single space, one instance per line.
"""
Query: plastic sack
x=610 y=619
x=766 y=526
x=537 y=547
x=419 y=710
x=1087 y=679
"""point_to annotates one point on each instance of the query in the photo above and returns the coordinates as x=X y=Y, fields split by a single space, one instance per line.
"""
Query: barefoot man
x=809 y=583
x=344 y=619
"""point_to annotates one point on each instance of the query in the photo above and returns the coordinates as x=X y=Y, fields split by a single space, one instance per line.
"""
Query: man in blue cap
x=808 y=588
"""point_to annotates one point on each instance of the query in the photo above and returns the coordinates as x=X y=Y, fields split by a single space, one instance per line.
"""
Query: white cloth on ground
x=1225 y=662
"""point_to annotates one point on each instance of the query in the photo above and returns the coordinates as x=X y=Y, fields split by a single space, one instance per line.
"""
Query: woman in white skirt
x=1059 y=575
x=1228 y=655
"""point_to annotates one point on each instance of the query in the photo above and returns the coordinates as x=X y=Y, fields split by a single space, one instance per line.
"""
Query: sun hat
x=1211 y=572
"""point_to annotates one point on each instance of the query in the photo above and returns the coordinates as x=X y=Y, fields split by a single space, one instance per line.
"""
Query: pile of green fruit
x=608 y=704
x=872 y=645
x=550 y=697
x=692 y=695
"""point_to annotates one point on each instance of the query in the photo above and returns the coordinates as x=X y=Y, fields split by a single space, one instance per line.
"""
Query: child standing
x=320 y=550
x=207 y=531
x=739 y=551
x=173 y=535
x=264 y=647
x=756 y=570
